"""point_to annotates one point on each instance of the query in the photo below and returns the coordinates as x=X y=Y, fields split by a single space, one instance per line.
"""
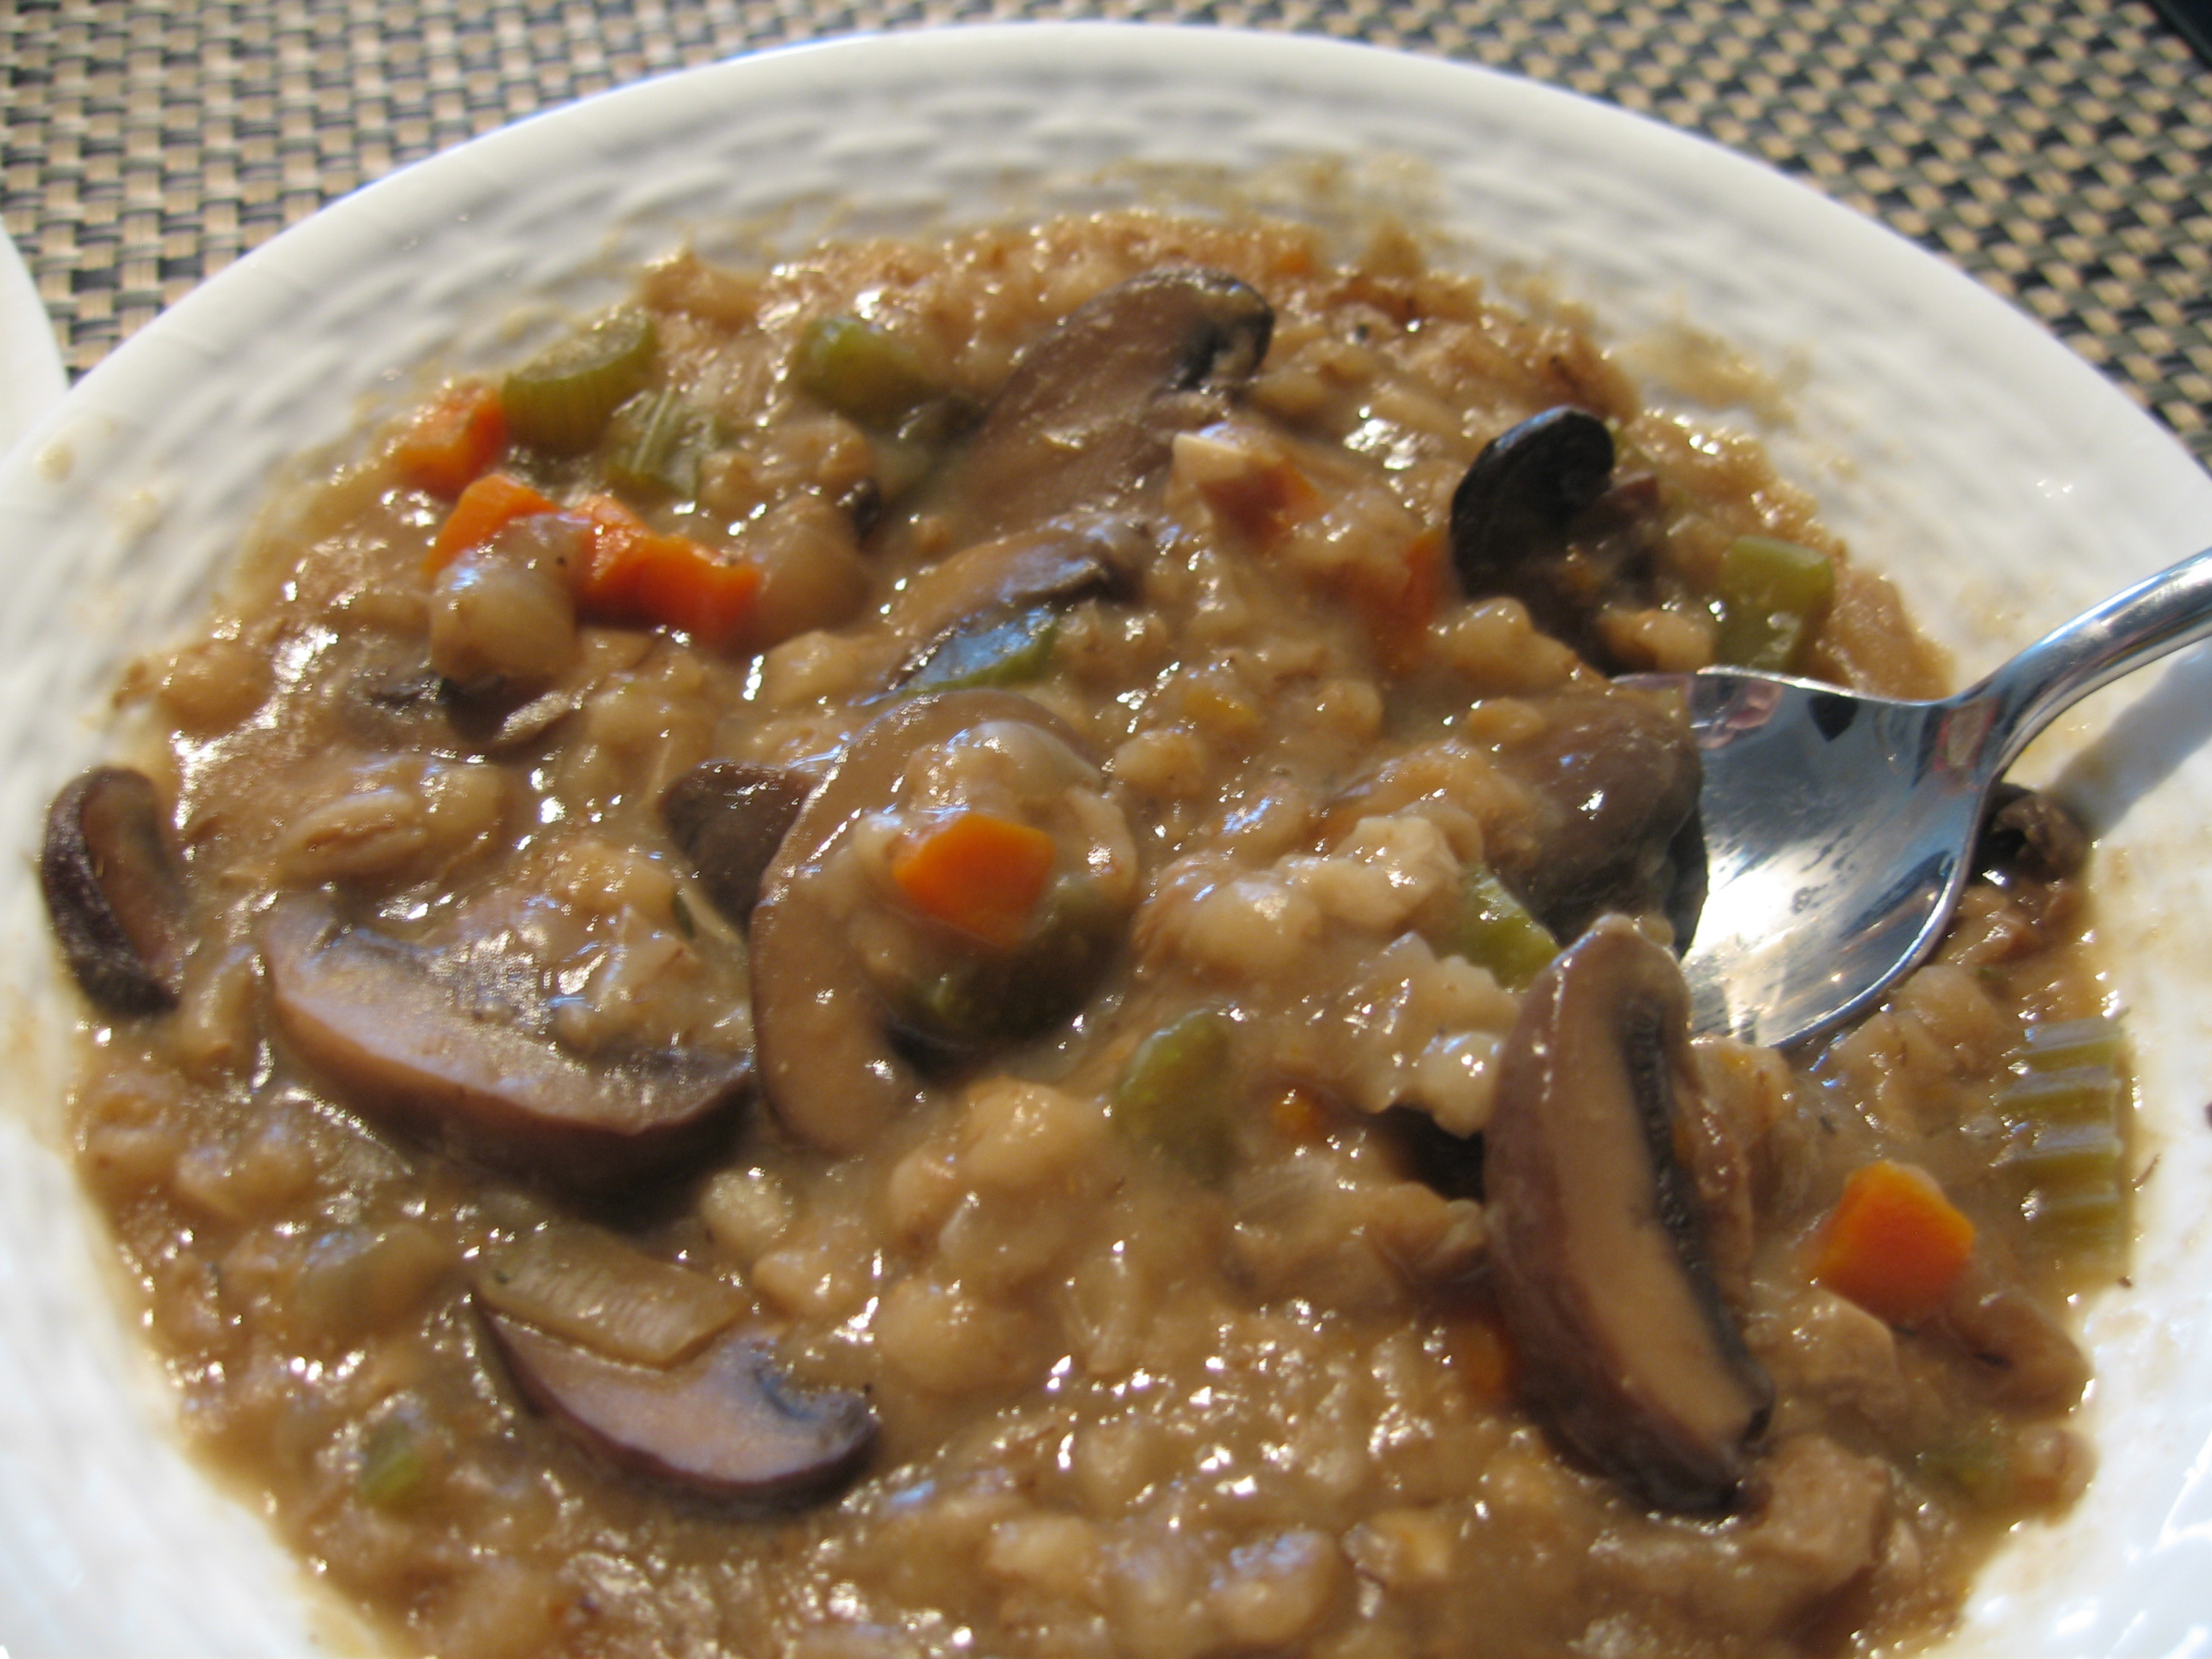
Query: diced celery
x=1494 y=931
x=1178 y=1093
x=2082 y=1093
x=655 y=441
x=2065 y=1154
x=2068 y=1044
x=561 y=400
x=2059 y=1157
x=393 y=1465
x=862 y=373
x=1974 y=1464
x=2085 y=1226
x=1005 y=653
x=1770 y=594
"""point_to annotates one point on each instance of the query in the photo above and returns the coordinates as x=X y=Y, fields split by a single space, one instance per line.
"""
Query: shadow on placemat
x=2193 y=18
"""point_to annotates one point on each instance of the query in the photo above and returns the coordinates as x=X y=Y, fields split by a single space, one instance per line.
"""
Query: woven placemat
x=2058 y=152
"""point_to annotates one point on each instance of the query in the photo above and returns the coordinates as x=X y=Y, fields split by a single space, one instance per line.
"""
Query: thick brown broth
x=1095 y=1101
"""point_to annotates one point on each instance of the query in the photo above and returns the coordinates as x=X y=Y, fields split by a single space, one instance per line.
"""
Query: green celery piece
x=562 y=399
x=1001 y=996
x=2094 y=1208
x=2087 y=1093
x=1771 y=594
x=655 y=441
x=861 y=371
x=2067 y=1155
x=1493 y=931
x=2070 y=1045
x=1975 y=1465
x=392 y=1467
x=2084 y=1225
x=1177 y=1094
x=1008 y=652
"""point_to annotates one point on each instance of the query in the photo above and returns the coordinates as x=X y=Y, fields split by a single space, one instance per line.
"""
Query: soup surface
x=963 y=949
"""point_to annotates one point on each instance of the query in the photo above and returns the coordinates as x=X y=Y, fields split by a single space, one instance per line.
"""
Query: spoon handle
x=2160 y=614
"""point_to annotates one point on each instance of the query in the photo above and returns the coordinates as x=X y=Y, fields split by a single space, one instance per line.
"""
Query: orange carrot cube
x=485 y=507
x=638 y=574
x=1894 y=1244
x=978 y=873
x=453 y=441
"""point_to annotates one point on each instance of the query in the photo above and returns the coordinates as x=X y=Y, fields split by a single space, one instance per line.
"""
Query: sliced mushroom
x=1617 y=775
x=1064 y=560
x=1597 y=1236
x=1087 y=416
x=729 y=816
x=115 y=890
x=367 y=1011
x=586 y=1285
x=501 y=730
x=725 y=1425
x=828 y=1065
x=1512 y=511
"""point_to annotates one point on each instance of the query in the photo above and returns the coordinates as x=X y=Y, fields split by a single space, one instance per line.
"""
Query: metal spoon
x=1839 y=829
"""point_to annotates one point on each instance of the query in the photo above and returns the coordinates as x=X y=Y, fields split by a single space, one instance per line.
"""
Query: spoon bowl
x=1840 y=828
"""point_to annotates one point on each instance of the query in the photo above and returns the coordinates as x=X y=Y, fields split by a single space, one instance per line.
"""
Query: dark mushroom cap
x=1597 y=1236
x=366 y=1013
x=828 y=1065
x=1513 y=509
x=1617 y=775
x=729 y=818
x=115 y=890
x=1063 y=560
x=1086 y=418
x=724 y=1426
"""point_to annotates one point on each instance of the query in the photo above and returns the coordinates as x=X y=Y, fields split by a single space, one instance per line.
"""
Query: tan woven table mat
x=2062 y=153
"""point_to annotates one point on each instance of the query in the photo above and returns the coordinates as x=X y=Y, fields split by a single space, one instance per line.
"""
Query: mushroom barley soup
x=964 y=949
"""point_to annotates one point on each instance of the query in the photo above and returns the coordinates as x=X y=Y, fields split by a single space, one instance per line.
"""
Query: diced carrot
x=1894 y=1244
x=485 y=507
x=638 y=574
x=604 y=586
x=631 y=572
x=676 y=582
x=453 y=441
x=978 y=873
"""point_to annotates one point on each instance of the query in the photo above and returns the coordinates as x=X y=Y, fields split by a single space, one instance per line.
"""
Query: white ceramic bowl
x=2003 y=481
x=31 y=380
